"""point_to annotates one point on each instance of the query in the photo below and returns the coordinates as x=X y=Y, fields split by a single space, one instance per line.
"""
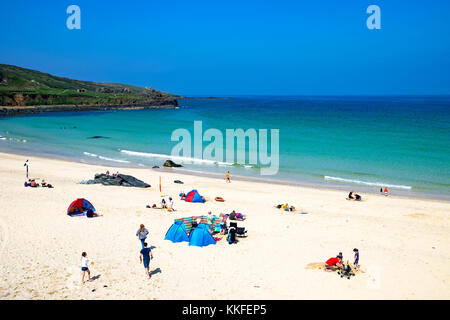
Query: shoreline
x=343 y=188
x=11 y=111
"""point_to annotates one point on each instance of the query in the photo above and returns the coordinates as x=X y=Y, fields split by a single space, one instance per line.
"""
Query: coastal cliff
x=25 y=91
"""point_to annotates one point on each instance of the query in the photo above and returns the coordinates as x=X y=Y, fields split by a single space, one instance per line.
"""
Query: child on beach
x=356 y=262
x=84 y=267
x=146 y=254
x=142 y=234
x=170 y=205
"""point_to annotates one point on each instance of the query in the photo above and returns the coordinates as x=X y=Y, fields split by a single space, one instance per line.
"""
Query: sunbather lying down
x=285 y=207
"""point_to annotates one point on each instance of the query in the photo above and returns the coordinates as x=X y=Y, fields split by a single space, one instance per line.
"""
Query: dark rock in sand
x=171 y=164
x=121 y=180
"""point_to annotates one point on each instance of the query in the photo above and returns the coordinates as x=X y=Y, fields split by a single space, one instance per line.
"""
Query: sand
x=404 y=243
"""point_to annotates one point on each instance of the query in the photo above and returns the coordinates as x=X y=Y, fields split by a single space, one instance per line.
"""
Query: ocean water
x=361 y=143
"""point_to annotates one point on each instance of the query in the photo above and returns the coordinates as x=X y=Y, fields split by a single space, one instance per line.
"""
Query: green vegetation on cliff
x=25 y=87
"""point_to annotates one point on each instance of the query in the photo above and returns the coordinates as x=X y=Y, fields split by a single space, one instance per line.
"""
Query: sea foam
x=176 y=158
x=367 y=183
x=104 y=158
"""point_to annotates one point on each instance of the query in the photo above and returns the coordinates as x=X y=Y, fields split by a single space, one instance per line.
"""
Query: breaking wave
x=376 y=184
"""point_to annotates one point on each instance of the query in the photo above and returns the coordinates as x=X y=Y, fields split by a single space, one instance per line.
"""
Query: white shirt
x=170 y=204
x=84 y=262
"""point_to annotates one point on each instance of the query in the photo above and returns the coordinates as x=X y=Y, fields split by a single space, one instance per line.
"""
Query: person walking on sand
x=228 y=176
x=146 y=254
x=84 y=267
x=386 y=191
x=142 y=234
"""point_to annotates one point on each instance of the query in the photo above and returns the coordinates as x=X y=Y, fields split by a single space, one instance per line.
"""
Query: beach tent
x=79 y=206
x=177 y=233
x=201 y=237
x=193 y=196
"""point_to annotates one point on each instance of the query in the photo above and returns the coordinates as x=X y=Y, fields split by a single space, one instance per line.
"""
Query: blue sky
x=237 y=47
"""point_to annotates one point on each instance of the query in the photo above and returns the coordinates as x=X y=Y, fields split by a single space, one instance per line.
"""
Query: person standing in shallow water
x=146 y=254
x=142 y=234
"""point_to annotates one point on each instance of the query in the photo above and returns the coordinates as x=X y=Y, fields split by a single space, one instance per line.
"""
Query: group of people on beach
x=337 y=263
x=354 y=196
x=145 y=255
x=285 y=207
x=32 y=183
x=114 y=175
x=167 y=205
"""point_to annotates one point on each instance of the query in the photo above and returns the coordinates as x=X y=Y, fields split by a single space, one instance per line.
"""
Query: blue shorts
x=146 y=263
x=84 y=268
x=222 y=227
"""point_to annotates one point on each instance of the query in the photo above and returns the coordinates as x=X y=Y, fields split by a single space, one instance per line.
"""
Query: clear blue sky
x=210 y=47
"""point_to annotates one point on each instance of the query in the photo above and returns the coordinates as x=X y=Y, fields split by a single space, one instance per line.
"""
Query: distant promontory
x=25 y=91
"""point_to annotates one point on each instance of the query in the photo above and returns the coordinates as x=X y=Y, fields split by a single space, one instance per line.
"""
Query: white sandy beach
x=404 y=243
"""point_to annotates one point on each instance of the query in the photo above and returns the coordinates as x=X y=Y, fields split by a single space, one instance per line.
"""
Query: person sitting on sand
x=163 y=204
x=91 y=214
x=357 y=197
x=43 y=183
x=107 y=173
x=334 y=263
x=34 y=184
x=236 y=216
x=84 y=267
x=170 y=205
x=350 y=195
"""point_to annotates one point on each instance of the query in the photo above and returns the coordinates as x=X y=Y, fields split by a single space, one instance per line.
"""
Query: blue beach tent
x=177 y=233
x=201 y=237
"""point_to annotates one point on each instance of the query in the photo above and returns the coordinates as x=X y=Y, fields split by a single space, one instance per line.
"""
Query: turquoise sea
x=361 y=143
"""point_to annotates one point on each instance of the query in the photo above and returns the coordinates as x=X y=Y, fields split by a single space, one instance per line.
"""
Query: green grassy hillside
x=25 y=87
